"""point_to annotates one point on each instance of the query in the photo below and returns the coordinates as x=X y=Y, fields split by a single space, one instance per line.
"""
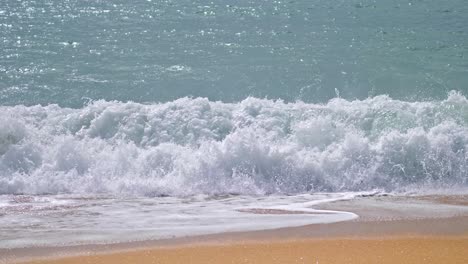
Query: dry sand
x=391 y=250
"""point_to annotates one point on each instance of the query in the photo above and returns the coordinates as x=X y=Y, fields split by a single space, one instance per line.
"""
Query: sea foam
x=256 y=146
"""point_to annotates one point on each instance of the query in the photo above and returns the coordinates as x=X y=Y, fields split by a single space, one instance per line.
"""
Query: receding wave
x=256 y=146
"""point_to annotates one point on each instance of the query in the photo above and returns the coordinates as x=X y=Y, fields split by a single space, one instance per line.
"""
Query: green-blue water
x=68 y=52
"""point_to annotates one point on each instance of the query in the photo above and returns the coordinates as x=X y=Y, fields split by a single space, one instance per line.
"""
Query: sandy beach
x=379 y=236
x=357 y=250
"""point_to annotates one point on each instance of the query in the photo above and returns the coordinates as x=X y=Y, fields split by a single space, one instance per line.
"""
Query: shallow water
x=72 y=220
x=67 y=220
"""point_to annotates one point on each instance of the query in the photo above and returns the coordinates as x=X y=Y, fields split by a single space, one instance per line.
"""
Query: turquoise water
x=179 y=98
x=68 y=52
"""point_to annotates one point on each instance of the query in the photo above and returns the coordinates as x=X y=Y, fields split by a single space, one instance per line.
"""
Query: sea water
x=72 y=220
x=129 y=109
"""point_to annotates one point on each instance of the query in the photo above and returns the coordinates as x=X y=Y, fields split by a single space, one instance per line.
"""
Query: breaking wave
x=256 y=146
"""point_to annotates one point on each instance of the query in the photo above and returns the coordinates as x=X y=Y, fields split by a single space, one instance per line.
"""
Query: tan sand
x=390 y=250
x=378 y=236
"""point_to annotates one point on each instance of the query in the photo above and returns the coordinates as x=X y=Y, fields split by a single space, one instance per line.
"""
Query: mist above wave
x=257 y=146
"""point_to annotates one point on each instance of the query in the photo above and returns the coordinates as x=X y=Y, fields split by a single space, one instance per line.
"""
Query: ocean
x=113 y=109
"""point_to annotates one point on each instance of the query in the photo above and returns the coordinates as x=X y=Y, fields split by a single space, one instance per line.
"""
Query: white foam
x=257 y=146
x=64 y=220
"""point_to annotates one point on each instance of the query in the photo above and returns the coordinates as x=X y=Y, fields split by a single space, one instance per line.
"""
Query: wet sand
x=381 y=235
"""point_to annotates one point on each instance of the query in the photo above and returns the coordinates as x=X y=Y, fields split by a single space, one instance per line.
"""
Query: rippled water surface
x=66 y=52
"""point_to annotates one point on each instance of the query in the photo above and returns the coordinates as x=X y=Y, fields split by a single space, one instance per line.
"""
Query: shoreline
x=385 y=231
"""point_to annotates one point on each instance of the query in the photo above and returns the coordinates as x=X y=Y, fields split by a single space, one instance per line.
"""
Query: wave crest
x=257 y=146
